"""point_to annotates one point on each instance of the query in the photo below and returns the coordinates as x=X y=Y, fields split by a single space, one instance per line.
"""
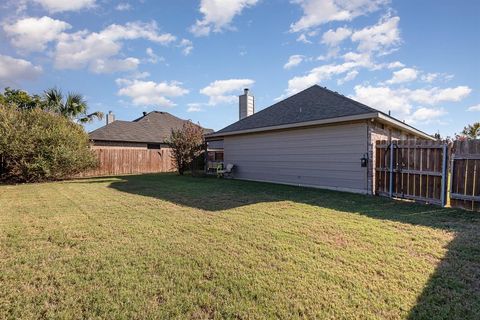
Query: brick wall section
x=377 y=131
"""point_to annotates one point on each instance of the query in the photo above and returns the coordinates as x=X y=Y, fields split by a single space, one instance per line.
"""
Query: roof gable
x=314 y=103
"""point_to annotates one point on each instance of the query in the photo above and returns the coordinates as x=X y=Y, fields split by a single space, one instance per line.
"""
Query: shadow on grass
x=453 y=291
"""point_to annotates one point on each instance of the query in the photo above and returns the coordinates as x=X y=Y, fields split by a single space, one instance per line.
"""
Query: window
x=153 y=146
x=219 y=156
x=211 y=156
x=215 y=156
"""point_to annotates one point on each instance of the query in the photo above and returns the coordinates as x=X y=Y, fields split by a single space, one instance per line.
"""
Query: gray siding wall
x=326 y=157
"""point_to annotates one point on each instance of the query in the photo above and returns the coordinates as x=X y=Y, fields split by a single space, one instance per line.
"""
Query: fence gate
x=465 y=175
x=410 y=169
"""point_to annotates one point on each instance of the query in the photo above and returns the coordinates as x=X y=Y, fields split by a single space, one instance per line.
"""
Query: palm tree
x=472 y=131
x=73 y=106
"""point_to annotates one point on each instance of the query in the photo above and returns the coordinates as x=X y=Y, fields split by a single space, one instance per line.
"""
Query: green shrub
x=36 y=145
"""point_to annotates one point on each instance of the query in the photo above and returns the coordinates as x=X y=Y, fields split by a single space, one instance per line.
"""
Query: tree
x=73 y=106
x=472 y=131
x=187 y=144
x=19 y=99
x=38 y=146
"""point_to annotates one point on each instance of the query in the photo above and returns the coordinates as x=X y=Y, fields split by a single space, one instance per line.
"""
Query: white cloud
x=384 y=99
x=372 y=40
x=124 y=6
x=316 y=75
x=349 y=77
x=83 y=49
x=194 y=107
x=293 y=61
x=400 y=101
x=65 y=5
x=435 y=95
x=114 y=65
x=12 y=69
x=378 y=37
x=363 y=59
x=403 y=75
x=137 y=30
x=218 y=14
x=431 y=77
x=187 y=46
x=334 y=37
x=218 y=91
x=97 y=51
x=318 y=12
x=474 y=108
x=146 y=93
x=303 y=38
x=139 y=75
x=152 y=57
x=395 y=65
x=33 y=34
x=426 y=115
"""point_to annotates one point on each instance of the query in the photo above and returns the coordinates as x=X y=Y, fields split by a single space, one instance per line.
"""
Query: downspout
x=205 y=157
x=391 y=169
x=369 y=163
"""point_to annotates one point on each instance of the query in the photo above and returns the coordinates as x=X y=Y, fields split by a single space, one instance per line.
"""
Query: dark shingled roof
x=154 y=127
x=314 y=103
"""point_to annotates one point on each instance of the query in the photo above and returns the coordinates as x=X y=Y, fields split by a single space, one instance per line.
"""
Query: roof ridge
x=364 y=106
x=309 y=94
x=273 y=105
x=147 y=113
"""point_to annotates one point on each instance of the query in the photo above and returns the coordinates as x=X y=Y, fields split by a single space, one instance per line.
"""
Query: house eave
x=403 y=126
x=295 y=125
x=125 y=140
x=373 y=115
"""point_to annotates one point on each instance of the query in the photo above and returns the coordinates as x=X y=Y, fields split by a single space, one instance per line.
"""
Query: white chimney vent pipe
x=246 y=104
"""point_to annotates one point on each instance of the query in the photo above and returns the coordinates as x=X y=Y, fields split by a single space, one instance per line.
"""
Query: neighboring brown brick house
x=151 y=131
x=135 y=147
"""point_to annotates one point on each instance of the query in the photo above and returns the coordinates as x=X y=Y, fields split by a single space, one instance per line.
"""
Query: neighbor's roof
x=315 y=105
x=154 y=127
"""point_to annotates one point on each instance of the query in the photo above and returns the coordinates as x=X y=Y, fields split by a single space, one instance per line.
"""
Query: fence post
x=444 y=176
x=452 y=172
x=391 y=170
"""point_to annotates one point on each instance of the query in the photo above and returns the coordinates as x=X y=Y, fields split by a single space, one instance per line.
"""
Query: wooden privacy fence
x=465 y=175
x=410 y=169
x=118 y=161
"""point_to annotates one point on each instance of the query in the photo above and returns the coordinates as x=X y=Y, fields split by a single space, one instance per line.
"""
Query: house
x=150 y=131
x=138 y=146
x=316 y=138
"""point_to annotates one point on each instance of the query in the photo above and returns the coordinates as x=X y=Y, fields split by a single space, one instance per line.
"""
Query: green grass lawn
x=163 y=246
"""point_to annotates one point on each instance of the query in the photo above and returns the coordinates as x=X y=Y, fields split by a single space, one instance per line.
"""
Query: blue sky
x=418 y=59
